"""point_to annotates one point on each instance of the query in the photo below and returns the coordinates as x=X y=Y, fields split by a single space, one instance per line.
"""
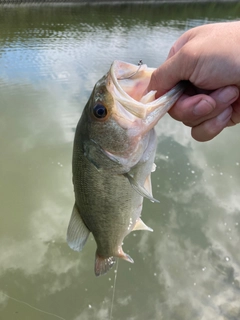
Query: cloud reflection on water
x=181 y=270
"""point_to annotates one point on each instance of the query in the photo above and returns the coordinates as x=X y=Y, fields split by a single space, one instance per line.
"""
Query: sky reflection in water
x=189 y=267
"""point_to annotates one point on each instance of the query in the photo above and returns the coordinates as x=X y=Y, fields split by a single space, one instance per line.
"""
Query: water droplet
x=192 y=171
x=194 y=284
x=89 y=306
x=204 y=269
x=227 y=259
x=154 y=274
x=167 y=157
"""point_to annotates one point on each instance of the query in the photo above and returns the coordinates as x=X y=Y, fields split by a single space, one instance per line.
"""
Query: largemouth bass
x=113 y=157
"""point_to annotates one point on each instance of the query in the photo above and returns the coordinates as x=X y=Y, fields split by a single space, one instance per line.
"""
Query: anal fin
x=77 y=232
x=140 y=225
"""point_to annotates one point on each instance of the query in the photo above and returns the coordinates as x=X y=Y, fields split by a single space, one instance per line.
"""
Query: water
x=189 y=267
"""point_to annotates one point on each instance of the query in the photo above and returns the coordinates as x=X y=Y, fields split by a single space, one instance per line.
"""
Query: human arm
x=209 y=57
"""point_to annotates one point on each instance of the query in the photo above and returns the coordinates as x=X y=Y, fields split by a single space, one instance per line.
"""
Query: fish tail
x=103 y=265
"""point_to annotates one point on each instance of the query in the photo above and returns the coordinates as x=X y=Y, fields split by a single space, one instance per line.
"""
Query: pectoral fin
x=77 y=232
x=139 y=189
x=100 y=158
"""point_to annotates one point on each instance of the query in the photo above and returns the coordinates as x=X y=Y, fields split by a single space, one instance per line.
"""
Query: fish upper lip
x=135 y=107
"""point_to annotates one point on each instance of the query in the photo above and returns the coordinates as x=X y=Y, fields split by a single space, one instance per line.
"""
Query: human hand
x=209 y=57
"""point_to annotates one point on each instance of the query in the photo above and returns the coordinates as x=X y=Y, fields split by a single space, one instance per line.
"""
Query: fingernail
x=203 y=108
x=226 y=95
x=224 y=116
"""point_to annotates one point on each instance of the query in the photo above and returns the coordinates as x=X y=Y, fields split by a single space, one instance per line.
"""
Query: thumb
x=170 y=72
x=166 y=76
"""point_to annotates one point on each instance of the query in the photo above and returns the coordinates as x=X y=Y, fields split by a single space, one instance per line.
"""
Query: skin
x=209 y=57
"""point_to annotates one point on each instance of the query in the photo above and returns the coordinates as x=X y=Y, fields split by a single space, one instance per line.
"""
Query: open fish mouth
x=129 y=86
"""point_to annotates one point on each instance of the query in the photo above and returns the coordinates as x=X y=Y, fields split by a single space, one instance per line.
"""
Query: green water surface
x=189 y=267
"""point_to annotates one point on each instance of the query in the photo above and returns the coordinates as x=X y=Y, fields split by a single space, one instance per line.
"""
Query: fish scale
x=113 y=156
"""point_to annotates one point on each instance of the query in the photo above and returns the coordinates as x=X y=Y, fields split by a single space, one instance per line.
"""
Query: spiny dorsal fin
x=77 y=232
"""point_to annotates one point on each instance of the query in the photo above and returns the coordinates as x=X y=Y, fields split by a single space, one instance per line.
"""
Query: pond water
x=189 y=267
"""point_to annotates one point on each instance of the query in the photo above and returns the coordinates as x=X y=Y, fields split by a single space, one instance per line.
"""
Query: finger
x=196 y=109
x=235 y=118
x=209 y=129
x=223 y=98
x=192 y=110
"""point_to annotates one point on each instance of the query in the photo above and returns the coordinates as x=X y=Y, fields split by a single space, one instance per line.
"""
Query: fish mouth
x=129 y=85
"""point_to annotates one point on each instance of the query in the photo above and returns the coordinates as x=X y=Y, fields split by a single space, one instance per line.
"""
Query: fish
x=113 y=157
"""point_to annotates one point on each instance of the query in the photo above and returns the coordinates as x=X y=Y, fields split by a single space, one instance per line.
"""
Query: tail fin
x=103 y=265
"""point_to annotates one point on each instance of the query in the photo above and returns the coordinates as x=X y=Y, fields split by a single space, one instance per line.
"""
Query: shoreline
x=109 y=2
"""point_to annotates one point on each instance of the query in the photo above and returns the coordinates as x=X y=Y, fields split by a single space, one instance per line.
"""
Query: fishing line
x=27 y=304
x=140 y=63
x=114 y=289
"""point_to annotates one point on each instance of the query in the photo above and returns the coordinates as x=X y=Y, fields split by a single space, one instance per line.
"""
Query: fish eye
x=99 y=111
